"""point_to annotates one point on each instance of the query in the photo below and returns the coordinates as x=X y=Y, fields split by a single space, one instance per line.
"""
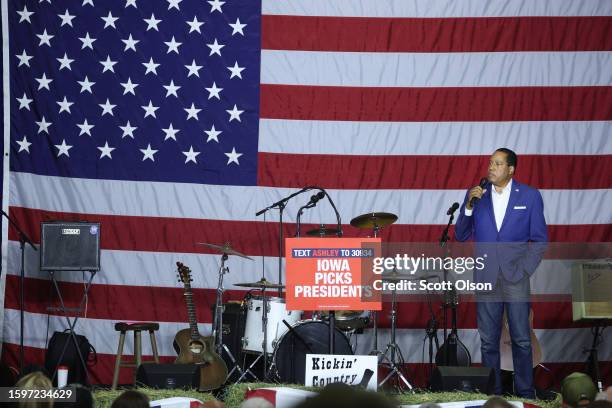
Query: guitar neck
x=193 y=322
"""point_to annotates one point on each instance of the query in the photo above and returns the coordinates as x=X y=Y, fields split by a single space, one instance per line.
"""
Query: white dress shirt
x=500 y=204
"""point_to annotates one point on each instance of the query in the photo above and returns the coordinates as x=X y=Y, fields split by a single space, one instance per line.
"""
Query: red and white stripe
x=396 y=113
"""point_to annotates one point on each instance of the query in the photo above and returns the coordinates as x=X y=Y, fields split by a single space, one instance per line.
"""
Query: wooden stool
x=136 y=328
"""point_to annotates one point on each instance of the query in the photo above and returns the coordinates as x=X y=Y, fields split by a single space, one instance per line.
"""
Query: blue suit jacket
x=517 y=248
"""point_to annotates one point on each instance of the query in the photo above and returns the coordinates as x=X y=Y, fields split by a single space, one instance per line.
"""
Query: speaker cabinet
x=470 y=379
x=168 y=376
x=591 y=289
x=70 y=246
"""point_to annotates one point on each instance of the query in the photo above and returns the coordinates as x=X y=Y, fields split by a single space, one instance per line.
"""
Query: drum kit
x=282 y=338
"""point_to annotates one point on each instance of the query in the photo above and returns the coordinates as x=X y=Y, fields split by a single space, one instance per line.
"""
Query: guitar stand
x=393 y=354
x=71 y=321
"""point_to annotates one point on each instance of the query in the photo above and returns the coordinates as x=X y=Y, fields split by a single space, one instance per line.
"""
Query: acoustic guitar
x=505 y=345
x=193 y=348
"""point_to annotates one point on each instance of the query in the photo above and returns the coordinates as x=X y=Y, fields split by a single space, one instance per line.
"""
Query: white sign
x=323 y=369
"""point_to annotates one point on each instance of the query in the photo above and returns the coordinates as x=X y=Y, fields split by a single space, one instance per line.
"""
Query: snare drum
x=253 y=331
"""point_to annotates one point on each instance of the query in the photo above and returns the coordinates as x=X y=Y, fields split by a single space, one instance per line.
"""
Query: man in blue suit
x=506 y=220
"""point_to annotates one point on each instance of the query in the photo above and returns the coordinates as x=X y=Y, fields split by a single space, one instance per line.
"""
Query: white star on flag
x=235 y=113
x=108 y=65
x=192 y=112
x=130 y=3
x=66 y=18
x=128 y=130
x=171 y=89
x=236 y=71
x=45 y=38
x=65 y=62
x=43 y=126
x=65 y=105
x=148 y=153
x=107 y=108
x=43 y=82
x=24 y=15
x=87 y=41
x=170 y=132
x=191 y=155
x=216 y=5
x=174 y=4
x=151 y=66
x=150 y=109
x=86 y=85
x=109 y=21
x=193 y=69
x=105 y=151
x=212 y=134
x=215 y=48
x=213 y=91
x=85 y=128
x=172 y=46
x=63 y=148
x=232 y=157
x=237 y=27
x=128 y=87
x=130 y=43
x=194 y=25
x=24 y=59
x=152 y=23
x=24 y=145
x=24 y=102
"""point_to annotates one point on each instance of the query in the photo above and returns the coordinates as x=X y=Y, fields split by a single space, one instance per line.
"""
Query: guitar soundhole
x=196 y=347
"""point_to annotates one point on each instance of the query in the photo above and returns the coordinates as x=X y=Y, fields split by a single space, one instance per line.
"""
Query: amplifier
x=591 y=289
x=70 y=246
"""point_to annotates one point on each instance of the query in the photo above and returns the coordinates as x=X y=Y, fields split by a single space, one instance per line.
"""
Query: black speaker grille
x=70 y=246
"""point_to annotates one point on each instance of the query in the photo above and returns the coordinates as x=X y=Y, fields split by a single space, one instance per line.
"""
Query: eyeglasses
x=497 y=163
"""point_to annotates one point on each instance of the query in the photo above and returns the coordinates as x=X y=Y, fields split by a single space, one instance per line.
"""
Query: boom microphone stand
x=23 y=239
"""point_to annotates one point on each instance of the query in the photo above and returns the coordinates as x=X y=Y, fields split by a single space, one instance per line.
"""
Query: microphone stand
x=281 y=204
x=23 y=239
x=443 y=240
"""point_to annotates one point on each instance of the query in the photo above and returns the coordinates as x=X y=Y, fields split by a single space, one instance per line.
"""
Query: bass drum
x=290 y=352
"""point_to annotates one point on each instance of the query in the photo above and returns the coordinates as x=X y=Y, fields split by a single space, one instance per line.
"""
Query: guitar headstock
x=184 y=273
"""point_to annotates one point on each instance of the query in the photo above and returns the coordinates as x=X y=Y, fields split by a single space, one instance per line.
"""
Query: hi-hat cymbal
x=322 y=231
x=260 y=284
x=372 y=220
x=225 y=249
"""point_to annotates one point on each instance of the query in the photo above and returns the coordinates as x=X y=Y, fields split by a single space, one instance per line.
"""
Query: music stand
x=70 y=246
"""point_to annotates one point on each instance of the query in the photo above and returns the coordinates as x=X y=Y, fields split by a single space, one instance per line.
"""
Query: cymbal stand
x=264 y=354
x=393 y=353
x=217 y=330
x=375 y=351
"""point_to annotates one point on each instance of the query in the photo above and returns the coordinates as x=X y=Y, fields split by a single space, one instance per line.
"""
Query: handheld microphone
x=452 y=209
x=482 y=184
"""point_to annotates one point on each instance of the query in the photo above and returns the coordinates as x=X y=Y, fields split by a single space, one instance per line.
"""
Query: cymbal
x=225 y=249
x=371 y=220
x=260 y=284
x=322 y=231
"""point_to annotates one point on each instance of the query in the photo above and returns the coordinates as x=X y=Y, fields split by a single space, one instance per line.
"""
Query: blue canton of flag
x=136 y=89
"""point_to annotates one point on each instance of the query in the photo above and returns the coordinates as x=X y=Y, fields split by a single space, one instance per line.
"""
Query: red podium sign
x=331 y=273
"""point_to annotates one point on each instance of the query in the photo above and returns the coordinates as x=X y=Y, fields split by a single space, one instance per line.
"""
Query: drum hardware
x=375 y=221
x=322 y=232
x=262 y=285
x=217 y=328
x=224 y=249
x=393 y=353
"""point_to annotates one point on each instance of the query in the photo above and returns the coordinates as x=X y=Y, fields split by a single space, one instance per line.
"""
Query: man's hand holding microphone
x=476 y=193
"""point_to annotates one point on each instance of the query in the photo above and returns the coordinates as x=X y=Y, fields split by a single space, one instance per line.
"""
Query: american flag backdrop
x=173 y=122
